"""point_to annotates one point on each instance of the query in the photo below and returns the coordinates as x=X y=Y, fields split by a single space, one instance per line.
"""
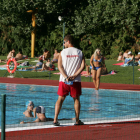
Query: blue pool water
x=105 y=104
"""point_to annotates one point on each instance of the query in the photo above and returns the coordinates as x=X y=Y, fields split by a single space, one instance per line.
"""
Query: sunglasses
x=65 y=42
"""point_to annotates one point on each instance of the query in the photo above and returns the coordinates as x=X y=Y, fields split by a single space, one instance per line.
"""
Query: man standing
x=71 y=62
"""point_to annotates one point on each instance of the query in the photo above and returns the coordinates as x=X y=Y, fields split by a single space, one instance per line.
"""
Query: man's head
x=29 y=105
x=68 y=40
x=40 y=109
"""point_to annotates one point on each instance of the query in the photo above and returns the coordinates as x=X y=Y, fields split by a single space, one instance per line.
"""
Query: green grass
x=124 y=74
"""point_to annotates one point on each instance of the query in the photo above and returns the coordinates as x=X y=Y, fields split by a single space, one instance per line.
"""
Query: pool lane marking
x=71 y=124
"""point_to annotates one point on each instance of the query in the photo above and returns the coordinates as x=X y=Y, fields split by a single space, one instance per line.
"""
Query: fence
x=102 y=107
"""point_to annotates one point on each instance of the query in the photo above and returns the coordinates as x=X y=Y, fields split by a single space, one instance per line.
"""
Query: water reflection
x=94 y=100
x=11 y=87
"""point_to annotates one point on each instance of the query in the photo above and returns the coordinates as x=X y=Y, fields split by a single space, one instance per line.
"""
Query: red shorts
x=64 y=89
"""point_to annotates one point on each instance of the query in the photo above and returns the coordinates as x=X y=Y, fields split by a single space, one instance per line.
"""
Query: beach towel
x=35 y=61
x=3 y=66
x=119 y=63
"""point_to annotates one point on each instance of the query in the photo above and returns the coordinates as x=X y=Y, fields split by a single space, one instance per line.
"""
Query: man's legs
x=58 y=106
x=77 y=107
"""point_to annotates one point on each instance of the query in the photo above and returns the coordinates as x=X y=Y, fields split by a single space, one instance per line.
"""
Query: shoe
x=56 y=124
x=79 y=123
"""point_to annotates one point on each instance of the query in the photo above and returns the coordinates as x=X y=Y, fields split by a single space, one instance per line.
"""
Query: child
x=47 y=65
x=30 y=109
x=120 y=57
x=40 y=111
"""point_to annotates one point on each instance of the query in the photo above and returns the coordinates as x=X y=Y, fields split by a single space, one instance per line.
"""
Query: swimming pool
x=105 y=104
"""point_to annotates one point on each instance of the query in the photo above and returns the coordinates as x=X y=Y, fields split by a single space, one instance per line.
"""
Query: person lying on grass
x=38 y=65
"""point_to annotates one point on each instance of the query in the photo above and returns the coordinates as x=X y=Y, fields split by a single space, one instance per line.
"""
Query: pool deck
x=126 y=130
x=56 y=82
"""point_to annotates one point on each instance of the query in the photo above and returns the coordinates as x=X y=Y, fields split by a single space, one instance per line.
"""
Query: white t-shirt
x=71 y=61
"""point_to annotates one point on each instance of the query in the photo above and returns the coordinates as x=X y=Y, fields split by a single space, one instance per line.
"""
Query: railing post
x=3 y=106
x=133 y=70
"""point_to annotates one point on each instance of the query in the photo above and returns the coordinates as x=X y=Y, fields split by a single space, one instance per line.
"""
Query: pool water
x=104 y=104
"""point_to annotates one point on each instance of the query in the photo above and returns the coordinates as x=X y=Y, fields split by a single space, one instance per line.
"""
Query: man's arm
x=60 y=67
x=34 y=111
x=37 y=120
x=79 y=70
x=131 y=59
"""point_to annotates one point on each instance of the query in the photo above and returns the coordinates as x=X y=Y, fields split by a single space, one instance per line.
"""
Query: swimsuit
x=96 y=68
x=55 y=60
x=97 y=60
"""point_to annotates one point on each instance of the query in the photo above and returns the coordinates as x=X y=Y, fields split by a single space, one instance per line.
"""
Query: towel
x=119 y=63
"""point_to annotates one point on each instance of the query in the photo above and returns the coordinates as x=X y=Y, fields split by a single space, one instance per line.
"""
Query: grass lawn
x=124 y=74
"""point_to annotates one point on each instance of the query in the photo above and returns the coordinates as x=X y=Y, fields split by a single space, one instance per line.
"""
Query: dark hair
x=45 y=50
x=69 y=38
x=20 y=51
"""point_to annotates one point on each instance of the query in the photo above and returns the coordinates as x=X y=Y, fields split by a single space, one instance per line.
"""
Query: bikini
x=96 y=68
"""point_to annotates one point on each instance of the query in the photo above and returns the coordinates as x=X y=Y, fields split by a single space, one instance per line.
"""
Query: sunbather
x=38 y=65
x=46 y=54
x=129 y=60
x=55 y=58
x=137 y=57
x=47 y=65
x=19 y=56
x=120 y=57
x=10 y=55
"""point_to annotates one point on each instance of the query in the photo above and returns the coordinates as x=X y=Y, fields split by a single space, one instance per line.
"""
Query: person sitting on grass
x=137 y=57
x=139 y=62
x=19 y=56
x=30 y=109
x=40 y=112
x=47 y=65
x=125 y=54
x=56 y=55
x=129 y=61
x=46 y=54
x=10 y=55
x=120 y=57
